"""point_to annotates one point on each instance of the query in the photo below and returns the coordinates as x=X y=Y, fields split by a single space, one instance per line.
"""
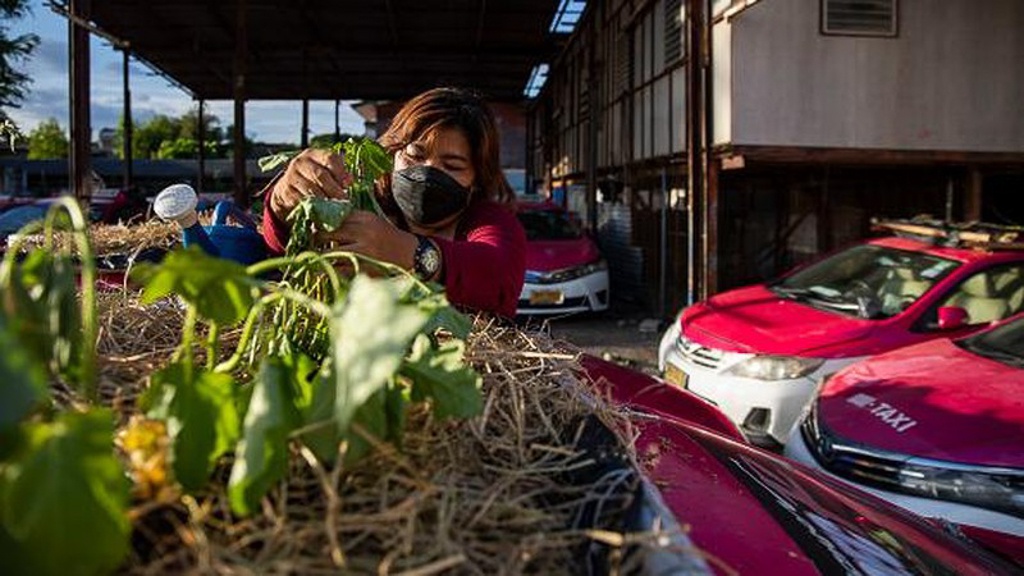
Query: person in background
x=449 y=211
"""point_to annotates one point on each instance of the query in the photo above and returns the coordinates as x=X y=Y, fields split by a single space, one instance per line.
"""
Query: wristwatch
x=426 y=261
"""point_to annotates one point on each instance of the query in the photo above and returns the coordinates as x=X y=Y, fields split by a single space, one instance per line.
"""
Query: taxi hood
x=755 y=320
x=933 y=400
x=551 y=255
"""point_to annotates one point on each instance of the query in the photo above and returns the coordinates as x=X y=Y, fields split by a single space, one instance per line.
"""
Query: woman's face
x=448 y=151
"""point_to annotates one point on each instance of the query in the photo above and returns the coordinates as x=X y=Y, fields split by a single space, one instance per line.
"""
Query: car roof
x=535 y=203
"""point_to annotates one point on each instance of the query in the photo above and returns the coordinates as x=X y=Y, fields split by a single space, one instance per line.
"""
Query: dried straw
x=117 y=239
x=513 y=491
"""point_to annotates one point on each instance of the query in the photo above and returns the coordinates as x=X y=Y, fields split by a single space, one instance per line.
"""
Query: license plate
x=675 y=375
x=546 y=297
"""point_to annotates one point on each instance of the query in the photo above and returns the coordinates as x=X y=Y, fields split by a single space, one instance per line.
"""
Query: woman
x=450 y=211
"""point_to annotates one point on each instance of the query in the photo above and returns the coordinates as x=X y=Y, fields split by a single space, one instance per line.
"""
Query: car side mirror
x=952 y=317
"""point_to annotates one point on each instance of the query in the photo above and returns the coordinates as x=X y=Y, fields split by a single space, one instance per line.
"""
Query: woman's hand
x=370 y=235
x=313 y=172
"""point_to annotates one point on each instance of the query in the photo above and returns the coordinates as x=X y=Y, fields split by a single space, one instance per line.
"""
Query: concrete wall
x=952 y=79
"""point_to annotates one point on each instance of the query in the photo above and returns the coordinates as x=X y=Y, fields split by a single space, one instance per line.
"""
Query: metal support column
x=337 y=121
x=530 y=184
x=304 y=139
x=694 y=177
x=241 y=49
x=663 y=247
x=593 y=93
x=201 y=142
x=709 y=170
x=126 y=152
x=972 y=199
x=79 y=166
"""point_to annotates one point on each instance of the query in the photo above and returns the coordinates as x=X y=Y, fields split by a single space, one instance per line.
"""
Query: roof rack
x=975 y=234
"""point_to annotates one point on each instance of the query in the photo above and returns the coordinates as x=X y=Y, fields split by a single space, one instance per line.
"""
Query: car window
x=549 y=225
x=15 y=218
x=992 y=294
x=1004 y=343
x=867 y=281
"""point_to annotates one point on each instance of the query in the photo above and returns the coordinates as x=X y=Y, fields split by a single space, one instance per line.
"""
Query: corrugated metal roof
x=317 y=49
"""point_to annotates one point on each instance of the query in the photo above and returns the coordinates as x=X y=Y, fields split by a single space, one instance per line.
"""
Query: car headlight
x=565 y=274
x=994 y=488
x=999 y=489
x=775 y=367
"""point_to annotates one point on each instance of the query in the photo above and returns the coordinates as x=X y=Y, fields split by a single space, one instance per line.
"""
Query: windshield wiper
x=792 y=292
x=817 y=297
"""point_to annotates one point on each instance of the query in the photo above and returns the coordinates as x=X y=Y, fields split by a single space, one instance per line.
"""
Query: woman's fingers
x=324 y=172
x=372 y=236
x=314 y=172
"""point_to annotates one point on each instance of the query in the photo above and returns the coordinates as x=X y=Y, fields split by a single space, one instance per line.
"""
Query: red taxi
x=937 y=428
x=565 y=271
x=723 y=506
x=759 y=352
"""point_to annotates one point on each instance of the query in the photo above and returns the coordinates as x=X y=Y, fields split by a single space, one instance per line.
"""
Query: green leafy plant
x=59 y=475
x=365 y=160
x=382 y=343
x=326 y=358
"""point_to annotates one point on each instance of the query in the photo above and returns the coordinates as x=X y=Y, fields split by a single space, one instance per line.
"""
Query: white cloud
x=268 y=121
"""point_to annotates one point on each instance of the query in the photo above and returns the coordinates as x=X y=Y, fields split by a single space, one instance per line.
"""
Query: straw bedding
x=537 y=484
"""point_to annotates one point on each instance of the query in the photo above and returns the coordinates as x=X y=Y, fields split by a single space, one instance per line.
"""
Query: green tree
x=48 y=141
x=13 y=51
x=149 y=136
x=163 y=137
x=185 y=148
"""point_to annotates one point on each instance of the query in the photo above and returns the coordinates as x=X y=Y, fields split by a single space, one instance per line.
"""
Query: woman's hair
x=437 y=108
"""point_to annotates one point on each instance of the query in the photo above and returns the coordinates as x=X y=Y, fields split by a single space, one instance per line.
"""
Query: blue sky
x=267 y=121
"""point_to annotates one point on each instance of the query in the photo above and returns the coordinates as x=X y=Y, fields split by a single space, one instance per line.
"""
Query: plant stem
x=90 y=328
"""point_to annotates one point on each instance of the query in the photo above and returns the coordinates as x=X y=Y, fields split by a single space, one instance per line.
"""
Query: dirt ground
x=630 y=340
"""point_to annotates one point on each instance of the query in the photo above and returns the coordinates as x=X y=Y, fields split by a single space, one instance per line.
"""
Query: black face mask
x=427 y=195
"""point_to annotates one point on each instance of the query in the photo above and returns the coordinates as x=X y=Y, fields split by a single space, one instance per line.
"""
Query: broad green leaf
x=273 y=161
x=397 y=399
x=16 y=562
x=372 y=332
x=22 y=387
x=372 y=418
x=42 y=307
x=444 y=316
x=329 y=213
x=366 y=159
x=433 y=301
x=219 y=288
x=442 y=376
x=321 y=435
x=201 y=415
x=63 y=501
x=306 y=373
x=261 y=459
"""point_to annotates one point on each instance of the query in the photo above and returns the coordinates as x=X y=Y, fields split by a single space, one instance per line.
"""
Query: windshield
x=866 y=281
x=15 y=218
x=1005 y=343
x=549 y=225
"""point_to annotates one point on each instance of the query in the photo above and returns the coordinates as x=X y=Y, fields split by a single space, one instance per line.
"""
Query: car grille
x=847 y=460
x=700 y=355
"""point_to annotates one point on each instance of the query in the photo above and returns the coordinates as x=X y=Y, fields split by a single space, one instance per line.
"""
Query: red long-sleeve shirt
x=484 y=265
